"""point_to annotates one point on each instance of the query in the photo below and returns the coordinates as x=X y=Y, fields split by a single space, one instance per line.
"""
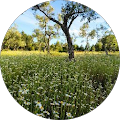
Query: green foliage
x=73 y=9
x=58 y=46
x=93 y=48
x=98 y=46
x=81 y=48
x=28 y=41
x=12 y=39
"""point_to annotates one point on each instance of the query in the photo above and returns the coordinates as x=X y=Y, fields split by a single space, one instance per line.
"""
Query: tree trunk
x=70 y=45
x=105 y=50
x=3 y=45
x=49 y=44
x=40 y=47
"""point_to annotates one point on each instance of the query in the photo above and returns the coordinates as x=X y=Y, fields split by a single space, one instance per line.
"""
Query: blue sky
x=26 y=22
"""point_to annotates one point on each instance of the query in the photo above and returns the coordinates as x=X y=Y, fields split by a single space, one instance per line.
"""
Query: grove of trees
x=14 y=40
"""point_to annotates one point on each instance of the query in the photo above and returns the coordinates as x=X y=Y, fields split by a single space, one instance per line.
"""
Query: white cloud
x=27 y=17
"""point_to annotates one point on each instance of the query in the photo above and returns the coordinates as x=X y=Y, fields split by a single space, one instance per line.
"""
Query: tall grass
x=51 y=87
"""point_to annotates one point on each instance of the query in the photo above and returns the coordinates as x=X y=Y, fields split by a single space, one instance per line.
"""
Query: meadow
x=53 y=87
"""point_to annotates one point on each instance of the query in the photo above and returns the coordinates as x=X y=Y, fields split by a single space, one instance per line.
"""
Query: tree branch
x=73 y=18
x=54 y=20
x=78 y=12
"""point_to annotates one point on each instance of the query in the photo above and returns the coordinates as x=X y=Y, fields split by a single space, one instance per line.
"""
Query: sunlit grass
x=53 y=53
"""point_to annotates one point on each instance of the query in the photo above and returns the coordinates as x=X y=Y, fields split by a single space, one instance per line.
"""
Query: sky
x=27 y=22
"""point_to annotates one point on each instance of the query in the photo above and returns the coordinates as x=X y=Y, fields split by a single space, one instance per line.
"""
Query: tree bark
x=49 y=44
x=70 y=45
x=40 y=47
x=105 y=50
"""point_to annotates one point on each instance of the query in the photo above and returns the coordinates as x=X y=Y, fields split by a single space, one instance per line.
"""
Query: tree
x=102 y=32
x=110 y=42
x=65 y=47
x=12 y=39
x=43 y=22
x=87 y=34
x=98 y=46
x=28 y=39
x=52 y=47
x=40 y=37
x=81 y=48
x=51 y=34
x=69 y=12
x=93 y=48
x=58 y=46
x=76 y=47
x=47 y=30
x=87 y=47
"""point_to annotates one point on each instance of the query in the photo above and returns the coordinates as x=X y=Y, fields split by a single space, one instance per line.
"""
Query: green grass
x=52 y=87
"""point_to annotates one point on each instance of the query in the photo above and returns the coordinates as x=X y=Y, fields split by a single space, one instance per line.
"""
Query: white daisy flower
x=38 y=103
x=57 y=116
x=68 y=104
x=41 y=108
x=69 y=115
x=25 y=91
x=55 y=112
x=46 y=112
x=27 y=103
x=67 y=95
x=41 y=114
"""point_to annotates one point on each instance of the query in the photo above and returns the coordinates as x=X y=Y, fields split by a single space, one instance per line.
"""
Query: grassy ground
x=51 y=87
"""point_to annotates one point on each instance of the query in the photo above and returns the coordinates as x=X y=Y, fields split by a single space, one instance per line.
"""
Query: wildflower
x=50 y=98
x=91 y=108
x=56 y=103
x=20 y=90
x=67 y=95
x=55 y=112
x=74 y=97
x=52 y=104
x=73 y=105
x=85 y=94
x=38 y=103
x=41 y=108
x=37 y=93
x=41 y=114
x=57 y=116
x=40 y=88
x=68 y=104
x=61 y=102
x=69 y=115
x=21 y=98
x=26 y=103
x=25 y=91
x=46 y=112
x=92 y=102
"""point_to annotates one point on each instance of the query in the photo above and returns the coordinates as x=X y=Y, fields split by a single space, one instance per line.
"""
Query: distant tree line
x=14 y=40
